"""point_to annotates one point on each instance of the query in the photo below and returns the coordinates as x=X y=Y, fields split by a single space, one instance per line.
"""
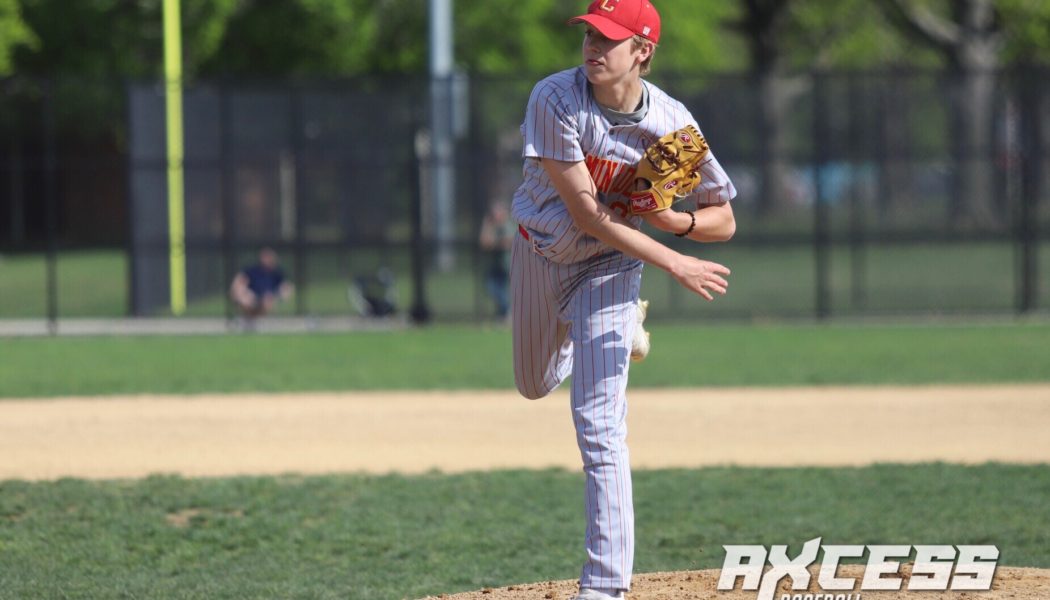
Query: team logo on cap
x=609 y=5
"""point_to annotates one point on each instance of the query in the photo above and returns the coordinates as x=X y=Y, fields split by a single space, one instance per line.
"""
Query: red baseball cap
x=621 y=19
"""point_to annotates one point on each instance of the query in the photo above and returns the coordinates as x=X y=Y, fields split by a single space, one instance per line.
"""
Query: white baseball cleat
x=640 y=343
x=589 y=594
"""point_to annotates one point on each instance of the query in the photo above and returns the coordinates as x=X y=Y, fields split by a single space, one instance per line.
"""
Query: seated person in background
x=256 y=289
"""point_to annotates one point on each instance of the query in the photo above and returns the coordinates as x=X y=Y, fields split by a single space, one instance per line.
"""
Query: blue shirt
x=262 y=281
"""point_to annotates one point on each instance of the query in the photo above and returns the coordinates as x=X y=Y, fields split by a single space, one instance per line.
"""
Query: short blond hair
x=639 y=43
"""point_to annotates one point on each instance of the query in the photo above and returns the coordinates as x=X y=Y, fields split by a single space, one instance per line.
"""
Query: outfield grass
x=454 y=358
x=89 y=283
x=976 y=277
x=398 y=537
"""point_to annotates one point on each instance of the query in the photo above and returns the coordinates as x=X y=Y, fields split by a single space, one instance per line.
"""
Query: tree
x=849 y=34
x=275 y=38
x=13 y=33
x=336 y=38
x=94 y=39
x=762 y=25
x=1026 y=24
x=74 y=81
x=697 y=40
x=971 y=37
x=786 y=39
x=540 y=42
x=328 y=38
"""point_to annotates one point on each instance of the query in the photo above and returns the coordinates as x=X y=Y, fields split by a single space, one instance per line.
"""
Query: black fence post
x=769 y=188
x=50 y=205
x=131 y=249
x=857 y=218
x=295 y=107
x=482 y=178
x=1028 y=217
x=884 y=192
x=17 y=190
x=420 y=312
x=821 y=220
x=226 y=185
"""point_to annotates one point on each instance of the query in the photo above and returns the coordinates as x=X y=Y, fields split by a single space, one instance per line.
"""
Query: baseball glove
x=669 y=170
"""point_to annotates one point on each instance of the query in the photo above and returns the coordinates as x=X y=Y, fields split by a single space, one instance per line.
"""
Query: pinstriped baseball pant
x=579 y=319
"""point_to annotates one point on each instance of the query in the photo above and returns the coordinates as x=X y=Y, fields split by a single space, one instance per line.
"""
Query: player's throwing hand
x=699 y=276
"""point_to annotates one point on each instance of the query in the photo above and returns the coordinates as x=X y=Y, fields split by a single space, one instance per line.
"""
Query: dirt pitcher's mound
x=1009 y=582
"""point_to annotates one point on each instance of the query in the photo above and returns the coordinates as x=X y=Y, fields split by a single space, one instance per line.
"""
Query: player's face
x=608 y=61
x=268 y=259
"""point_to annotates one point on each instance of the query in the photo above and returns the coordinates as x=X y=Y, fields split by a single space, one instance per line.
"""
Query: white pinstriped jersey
x=563 y=122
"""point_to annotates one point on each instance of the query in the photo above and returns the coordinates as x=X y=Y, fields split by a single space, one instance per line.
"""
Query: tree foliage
x=1018 y=30
x=115 y=38
x=801 y=34
x=695 y=38
x=391 y=36
x=13 y=33
x=295 y=37
x=846 y=34
x=974 y=38
x=273 y=38
x=540 y=41
x=267 y=38
x=1026 y=25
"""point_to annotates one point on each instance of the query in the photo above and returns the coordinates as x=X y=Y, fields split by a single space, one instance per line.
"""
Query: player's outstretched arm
x=577 y=190
x=714 y=223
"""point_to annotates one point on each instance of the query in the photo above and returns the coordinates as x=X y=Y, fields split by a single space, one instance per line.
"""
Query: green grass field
x=766 y=282
x=453 y=358
x=405 y=537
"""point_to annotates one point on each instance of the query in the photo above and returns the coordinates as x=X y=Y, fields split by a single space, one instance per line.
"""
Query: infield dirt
x=123 y=437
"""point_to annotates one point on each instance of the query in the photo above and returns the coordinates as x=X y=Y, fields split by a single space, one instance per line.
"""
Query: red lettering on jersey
x=624 y=183
x=592 y=164
x=610 y=176
x=596 y=166
x=607 y=176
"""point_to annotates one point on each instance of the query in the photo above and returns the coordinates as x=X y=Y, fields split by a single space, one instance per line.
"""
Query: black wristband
x=692 y=225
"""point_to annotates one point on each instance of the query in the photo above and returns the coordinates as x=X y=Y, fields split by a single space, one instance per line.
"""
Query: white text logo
x=935 y=568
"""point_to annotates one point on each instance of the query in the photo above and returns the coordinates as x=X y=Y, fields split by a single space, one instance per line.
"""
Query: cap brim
x=610 y=29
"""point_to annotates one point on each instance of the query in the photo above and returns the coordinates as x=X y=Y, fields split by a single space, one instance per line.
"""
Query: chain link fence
x=861 y=193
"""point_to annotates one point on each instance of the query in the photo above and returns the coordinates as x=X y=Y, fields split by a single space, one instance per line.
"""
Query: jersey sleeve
x=715 y=186
x=550 y=129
